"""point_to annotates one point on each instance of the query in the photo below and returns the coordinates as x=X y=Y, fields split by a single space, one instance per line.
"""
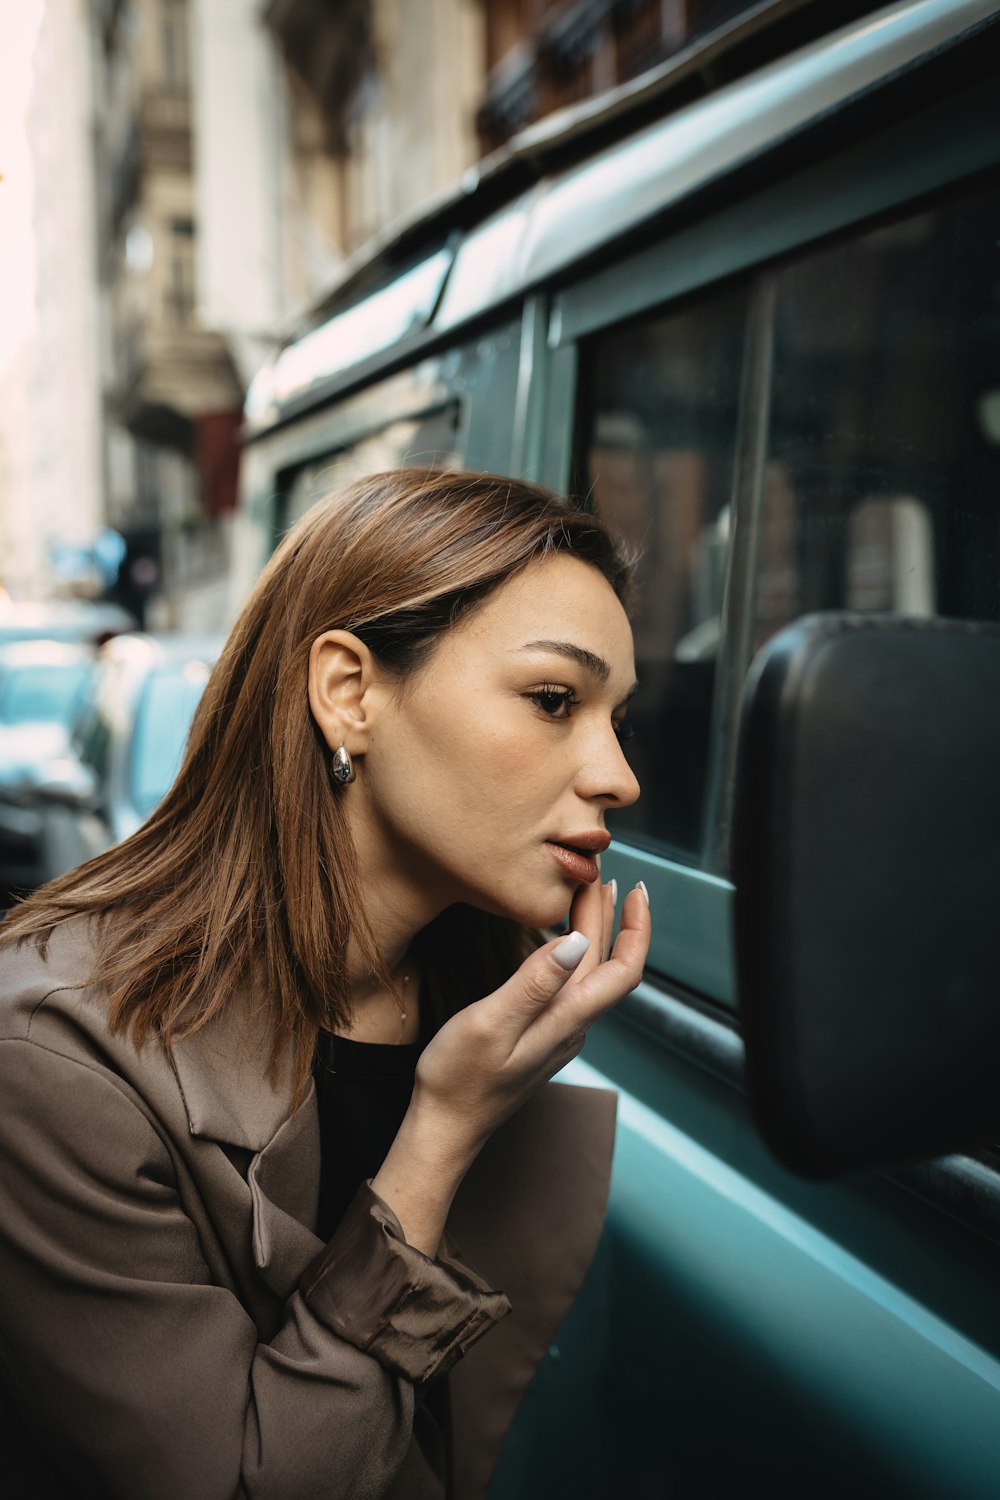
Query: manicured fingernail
x=641 y=886
x=614 y=892
x=571 y=950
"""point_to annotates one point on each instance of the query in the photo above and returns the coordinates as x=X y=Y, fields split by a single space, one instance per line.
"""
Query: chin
x=546 y=909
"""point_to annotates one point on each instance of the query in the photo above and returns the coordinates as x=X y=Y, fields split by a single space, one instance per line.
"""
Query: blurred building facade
x=390 y=102
x=220 y=165
x=50 y=421
x=172 y=395
x=382 y=101
x=544 y=54
x=230 y=194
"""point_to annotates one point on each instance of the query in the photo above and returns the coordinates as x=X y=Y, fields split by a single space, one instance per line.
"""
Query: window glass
x=163 y=719
x=656 y=452
x=43 y=694
x=882 y=482
x=431 y=439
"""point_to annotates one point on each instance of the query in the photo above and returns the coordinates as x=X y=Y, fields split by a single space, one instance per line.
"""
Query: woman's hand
x=486 y=1060
x=492 y=1056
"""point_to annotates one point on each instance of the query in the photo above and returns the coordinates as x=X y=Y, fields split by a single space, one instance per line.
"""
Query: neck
x=397 y=908
x=396 y=903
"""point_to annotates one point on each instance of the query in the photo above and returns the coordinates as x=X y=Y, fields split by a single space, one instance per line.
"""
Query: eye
x=625 y=732
x=554 y=702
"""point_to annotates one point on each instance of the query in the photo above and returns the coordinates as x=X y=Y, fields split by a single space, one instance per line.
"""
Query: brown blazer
x=170 y=1324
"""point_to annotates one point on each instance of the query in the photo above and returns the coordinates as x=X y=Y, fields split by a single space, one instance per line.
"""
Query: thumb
x=542 y=976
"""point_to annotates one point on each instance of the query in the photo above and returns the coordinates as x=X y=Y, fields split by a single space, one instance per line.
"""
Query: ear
x=344 y=684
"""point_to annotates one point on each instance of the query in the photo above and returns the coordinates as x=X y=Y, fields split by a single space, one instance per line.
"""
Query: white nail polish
x=571 y=950
x=614 y=891
x=641 y=886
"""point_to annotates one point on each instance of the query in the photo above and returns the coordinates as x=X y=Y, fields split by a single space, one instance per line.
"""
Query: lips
x=593 y=842
x=576 y=854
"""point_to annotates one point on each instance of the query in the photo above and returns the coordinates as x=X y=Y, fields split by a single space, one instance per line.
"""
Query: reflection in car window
x=163 y=719
x=656 y=449
x=883 y=465
x=42 y=693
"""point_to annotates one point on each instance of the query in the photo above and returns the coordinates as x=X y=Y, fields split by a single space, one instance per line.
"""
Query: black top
x=362 y=1092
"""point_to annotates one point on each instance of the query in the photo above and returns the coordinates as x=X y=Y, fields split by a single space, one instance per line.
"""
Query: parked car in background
x=124 y=750
x=43 y=687
x=63 y=620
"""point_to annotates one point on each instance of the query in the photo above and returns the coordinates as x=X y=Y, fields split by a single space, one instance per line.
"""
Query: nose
x=605 y=775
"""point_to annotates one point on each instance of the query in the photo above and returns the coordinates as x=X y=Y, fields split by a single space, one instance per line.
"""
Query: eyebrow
x=588 y=660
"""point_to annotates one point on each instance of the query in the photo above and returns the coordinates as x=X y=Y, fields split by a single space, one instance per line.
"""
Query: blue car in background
x=43 y=688
x=122 y=754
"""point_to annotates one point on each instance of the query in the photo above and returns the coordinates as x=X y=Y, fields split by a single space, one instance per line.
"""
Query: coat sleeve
x=145 y=1380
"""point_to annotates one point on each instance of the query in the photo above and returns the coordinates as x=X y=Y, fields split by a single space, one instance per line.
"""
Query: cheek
x=461 y=769
x=439 y=766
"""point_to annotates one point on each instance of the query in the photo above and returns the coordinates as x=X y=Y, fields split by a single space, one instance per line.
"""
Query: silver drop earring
x=343 y=766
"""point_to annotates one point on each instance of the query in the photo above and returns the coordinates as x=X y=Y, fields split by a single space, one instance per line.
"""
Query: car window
x=655 y=452
x=43 y=693
x=883 y=460
x=163 y=718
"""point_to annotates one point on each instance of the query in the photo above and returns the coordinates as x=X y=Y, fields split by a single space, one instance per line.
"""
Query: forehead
x=556 y=598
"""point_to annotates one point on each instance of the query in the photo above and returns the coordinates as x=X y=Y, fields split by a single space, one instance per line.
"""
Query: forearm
x=421 y=1175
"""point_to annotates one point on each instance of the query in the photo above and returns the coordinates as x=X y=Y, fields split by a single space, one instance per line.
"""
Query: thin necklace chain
x=402 y=1009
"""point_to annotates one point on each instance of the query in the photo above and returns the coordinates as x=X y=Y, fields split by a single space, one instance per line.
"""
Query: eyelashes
x=554 y=702
x=558 y=702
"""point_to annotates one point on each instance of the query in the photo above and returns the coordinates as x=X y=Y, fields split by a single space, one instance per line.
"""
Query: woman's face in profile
x=504 y=747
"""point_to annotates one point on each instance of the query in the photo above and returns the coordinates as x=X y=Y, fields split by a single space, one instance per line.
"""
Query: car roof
x=43 y=653
x=145 y=648
x=61 y=619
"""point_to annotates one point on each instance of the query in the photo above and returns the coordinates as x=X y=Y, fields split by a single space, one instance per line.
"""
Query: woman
x=225 y=1176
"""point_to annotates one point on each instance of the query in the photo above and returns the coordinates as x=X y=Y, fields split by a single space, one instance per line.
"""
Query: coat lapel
x=284 y=1191
x=222 y=1074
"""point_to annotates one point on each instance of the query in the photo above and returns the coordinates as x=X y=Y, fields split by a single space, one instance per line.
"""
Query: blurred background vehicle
x=105 y=777
x=43 y=688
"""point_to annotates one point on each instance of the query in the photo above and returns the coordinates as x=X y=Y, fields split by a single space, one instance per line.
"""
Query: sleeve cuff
x=415 y=1315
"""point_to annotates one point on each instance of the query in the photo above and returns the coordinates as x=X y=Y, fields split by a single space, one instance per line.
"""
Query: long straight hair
x=245 y=877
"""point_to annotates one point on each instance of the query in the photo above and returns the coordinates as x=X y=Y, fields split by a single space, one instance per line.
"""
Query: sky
x=19 y=25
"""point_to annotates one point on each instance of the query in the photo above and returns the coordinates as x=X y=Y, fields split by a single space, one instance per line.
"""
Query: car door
x=788 y=404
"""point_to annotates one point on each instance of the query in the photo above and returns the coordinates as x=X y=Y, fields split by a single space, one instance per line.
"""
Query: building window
x=180 y=295
x=174 y=45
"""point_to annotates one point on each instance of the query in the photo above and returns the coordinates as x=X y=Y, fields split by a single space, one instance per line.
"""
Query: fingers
x=578 y=1005
x=587 y=915
x=631 y=947
x=532 y=988
x=539 y=993
x=610 y=901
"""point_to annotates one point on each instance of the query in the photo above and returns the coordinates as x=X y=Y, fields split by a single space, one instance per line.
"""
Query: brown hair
x=246 y=871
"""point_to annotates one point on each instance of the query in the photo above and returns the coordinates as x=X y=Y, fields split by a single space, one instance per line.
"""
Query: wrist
x=436 y=1137
x=421 y=1174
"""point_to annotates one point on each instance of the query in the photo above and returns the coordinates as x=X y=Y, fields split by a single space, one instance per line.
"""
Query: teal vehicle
x=757 y=324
